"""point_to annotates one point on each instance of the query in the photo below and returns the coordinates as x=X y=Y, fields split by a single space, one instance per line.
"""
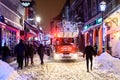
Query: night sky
x=47 y=9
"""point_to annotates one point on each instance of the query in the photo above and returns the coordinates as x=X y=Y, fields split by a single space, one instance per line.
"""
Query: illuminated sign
x=26 y=3
x=98 y=21
x=86 y=27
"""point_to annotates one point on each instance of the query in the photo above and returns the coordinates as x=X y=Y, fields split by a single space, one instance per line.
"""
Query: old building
x=112 y=22
x=98 y=25
x=16 y=21
x=11 y=13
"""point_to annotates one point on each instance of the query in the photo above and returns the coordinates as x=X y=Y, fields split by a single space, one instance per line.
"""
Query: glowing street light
x=38 y=19
x=102 y=6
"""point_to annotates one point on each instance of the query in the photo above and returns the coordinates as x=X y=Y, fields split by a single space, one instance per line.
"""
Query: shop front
x=113 y=34
x=94 y=35
x=30 y=32
x=9 y=35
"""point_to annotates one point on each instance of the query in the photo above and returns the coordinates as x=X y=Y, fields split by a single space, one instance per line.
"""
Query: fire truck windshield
x=64 y=41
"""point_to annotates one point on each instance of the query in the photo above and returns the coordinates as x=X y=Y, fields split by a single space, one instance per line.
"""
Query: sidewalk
x=10 y=59
x=13 y=61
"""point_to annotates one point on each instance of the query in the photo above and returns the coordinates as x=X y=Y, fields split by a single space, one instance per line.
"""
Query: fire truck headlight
x=56 y=56
x=75 y=56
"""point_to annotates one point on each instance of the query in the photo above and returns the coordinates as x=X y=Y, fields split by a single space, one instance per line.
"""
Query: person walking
x=89 y=52
x=31 y=53
x=47 y=49
x=20 y=51
x=41 y=50
x=96 y=48
x=5 y=52
x=26 y=54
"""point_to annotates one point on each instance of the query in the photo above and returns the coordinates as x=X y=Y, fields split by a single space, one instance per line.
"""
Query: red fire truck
x=64 y=41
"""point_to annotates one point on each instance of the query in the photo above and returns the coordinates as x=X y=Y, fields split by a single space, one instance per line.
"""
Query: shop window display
x=9 y=37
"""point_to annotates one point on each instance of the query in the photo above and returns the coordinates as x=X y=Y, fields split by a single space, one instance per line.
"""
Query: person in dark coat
x=41 y=50
x=89 y=52
x=95 y=48
x=20 y=51
x=47 y=49
x=31 y=53
x=5 y=52
x=26 y=54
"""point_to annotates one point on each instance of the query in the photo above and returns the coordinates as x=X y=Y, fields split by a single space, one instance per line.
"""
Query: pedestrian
x=47 y=49
x=26 y=54
x=96 y=48
x=31 y=53
x=41 y=50
x=89 y=52
x=5 y=52
x=20 y=51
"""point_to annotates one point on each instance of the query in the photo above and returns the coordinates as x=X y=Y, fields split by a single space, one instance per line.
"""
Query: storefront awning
x=91 y=27
x=35 y=29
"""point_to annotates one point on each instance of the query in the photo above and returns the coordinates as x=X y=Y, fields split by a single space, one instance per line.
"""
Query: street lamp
x=102 y=9
x=102 y=6
x=38 y=19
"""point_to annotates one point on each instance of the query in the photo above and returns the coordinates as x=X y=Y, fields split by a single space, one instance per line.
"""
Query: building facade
x=76 y=15
x=91 y=29
x=95 y=23
x=10 y=23
x=16 y=22
x=112 y=21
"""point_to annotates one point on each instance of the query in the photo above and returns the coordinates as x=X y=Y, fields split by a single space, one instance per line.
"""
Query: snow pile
x=105 y=62
x=7 y=72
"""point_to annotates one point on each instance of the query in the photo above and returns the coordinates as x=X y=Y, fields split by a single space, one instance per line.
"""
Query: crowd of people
x=26 y=51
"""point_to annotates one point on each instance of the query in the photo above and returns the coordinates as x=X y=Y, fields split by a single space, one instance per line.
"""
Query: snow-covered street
x=72 y=70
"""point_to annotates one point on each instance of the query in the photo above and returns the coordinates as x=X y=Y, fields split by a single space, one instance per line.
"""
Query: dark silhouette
x=26 y=54
x=41 y=50
x=31 y=53
x=5 y=52
x=89 y=52
x=96 y=48
x=47 y=49
x=20 y=51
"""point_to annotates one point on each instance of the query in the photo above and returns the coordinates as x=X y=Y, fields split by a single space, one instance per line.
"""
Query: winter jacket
x=89 y=51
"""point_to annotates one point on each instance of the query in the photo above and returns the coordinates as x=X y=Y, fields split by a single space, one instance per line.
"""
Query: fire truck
x=64 y=41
